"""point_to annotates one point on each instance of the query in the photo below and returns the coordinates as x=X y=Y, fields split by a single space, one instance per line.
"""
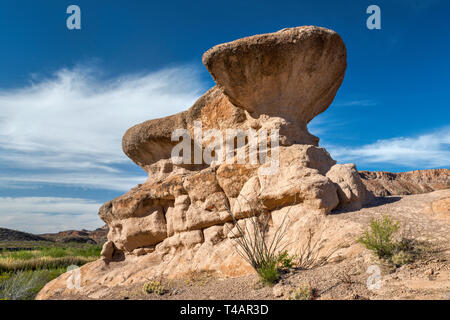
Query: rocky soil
x=426 y=278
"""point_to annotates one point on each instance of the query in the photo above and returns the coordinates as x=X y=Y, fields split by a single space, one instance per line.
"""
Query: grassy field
x=26 y=266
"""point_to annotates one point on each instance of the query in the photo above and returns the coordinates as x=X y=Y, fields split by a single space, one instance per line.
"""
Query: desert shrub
x=379 y=237
x=285 y=260
x=154 y=287
x=25 y=285
x=268 y=272
x=304 y=292
x=253 y=243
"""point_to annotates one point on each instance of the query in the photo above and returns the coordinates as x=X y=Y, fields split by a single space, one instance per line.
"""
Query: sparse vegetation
x=401 y=258
x=26 y=269
x=304 y=292
x=379 y=237
x=154 y=287
x=254 y=245
x=24 y=285
x=268 y=272
x=8 y=264
x=285 y=260
x=48 y=258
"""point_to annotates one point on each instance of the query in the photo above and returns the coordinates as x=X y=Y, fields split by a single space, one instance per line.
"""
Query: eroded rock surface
x=382 y=183
x=180 y=219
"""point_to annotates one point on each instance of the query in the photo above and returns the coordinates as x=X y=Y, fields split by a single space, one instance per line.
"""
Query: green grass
x=268 y=272
x=8 y=265
x=25 y=285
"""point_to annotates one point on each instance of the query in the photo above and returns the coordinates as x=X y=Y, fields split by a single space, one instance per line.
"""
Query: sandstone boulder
x=351 y=190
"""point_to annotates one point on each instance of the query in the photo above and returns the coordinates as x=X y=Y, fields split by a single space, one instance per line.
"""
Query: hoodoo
x=179 y=220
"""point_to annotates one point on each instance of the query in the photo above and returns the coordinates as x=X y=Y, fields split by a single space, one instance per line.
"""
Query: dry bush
x=253 y=243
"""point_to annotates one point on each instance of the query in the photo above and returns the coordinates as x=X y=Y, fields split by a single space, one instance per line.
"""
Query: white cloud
x=430 y=150
x=71 y=124
x=105 y=181
x=355 y=103
x=46 y=214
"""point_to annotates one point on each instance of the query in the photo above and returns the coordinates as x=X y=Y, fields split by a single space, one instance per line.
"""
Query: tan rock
x=293 y=73
x=214 y=234
x=232 y=177
x=132 y=233
x=108 y=250
x=351 y=190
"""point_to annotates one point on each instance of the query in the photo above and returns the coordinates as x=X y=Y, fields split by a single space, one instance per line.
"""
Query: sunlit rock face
x=280 y=81
x=180 y=218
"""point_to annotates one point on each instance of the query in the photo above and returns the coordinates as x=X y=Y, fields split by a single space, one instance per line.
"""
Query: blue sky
x=67 y=96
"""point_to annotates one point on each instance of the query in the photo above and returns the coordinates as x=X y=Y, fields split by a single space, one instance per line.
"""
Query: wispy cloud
x=355 y=103
x=431 y=150
x=120 y=181
x=71 y=124
x=46 y=214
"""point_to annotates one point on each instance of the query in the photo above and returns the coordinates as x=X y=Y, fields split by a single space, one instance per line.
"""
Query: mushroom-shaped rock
x=293 y=73
x=289 y=77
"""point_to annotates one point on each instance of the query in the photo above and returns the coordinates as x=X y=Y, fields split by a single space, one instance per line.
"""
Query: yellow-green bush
x=304 y=292
x=154 y=287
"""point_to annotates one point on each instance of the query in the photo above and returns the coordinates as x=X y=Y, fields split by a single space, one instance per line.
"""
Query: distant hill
x=14 y=235
x=413 y=182
x=80 y=236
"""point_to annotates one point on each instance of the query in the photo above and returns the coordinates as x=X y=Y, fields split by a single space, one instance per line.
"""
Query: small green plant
x=401 y=258
x=285 y=260
x=304 y=292
x=268 y=272
x=379 y=237
x=154 y=287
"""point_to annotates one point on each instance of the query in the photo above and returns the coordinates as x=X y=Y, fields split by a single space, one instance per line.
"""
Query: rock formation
x=414 y=182
x=180 y=218
x=278 y=81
